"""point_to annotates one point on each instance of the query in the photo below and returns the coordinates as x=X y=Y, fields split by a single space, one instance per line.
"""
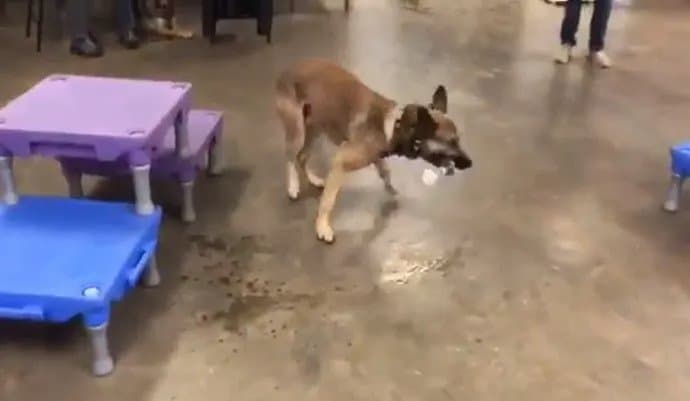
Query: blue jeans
x=597 y=28
x=79 y=12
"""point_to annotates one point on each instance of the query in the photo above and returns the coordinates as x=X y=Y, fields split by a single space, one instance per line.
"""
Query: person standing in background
x=597 y=31
x=84 y=43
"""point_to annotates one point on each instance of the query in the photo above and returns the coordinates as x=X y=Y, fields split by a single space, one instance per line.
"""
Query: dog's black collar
x=409 y=149
x=393 y=145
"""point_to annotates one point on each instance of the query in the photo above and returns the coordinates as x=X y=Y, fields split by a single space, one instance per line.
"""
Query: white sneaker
x=564 y=54
x=601 y=59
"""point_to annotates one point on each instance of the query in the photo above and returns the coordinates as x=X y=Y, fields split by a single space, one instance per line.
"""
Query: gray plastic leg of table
x=182 y=149
x=215 y=158
x=151 y=276
x=142 y=189
x=9 y=189
x=103 y=364
x=74 y=184
x=674 y=194
x=188 y=211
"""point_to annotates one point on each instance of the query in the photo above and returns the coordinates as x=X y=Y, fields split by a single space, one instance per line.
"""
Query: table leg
x=181 y=136
x=208 y=19
x=142 y=188
x=215 y=156
x=674 y=193
x=74 y=183
x=96 y=324
x=188 y=212
x=151 y=276
x=102 y=362
x=9 y=192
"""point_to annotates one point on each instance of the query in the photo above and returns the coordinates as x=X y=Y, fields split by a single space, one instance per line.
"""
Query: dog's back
x=328 y=96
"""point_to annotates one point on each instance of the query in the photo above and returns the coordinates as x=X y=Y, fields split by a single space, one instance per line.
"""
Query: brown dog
x=316 y=96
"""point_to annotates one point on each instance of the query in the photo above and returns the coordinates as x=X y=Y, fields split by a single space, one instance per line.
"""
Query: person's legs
x=597 y=32
x=571 y=21
x=83 y=43
x=126 y=23
x=125 y=15
x=78 y=12
x=600 y=21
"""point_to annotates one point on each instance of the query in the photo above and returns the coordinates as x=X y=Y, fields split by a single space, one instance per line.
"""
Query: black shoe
x=86 y=47
x=129 y=40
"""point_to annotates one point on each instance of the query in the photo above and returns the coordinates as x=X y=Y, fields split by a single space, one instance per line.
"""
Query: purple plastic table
x=104 y=119
x=205 y=130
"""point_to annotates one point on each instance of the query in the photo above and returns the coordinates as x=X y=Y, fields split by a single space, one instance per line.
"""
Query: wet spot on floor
x=250 y=308
x=407 y=262
x=207 y=244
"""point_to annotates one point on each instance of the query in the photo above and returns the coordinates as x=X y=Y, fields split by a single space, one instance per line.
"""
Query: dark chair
x=3 y=9
x=38 y=20
x=216 y=10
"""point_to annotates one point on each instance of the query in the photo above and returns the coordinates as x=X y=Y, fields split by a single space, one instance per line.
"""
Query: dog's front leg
x=385 y=174
x=349 y=157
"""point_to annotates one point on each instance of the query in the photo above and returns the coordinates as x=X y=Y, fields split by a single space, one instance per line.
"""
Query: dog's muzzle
x=446 y=157
x=462 y=162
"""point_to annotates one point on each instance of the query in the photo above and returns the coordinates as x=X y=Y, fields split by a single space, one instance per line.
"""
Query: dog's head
x=427 y=132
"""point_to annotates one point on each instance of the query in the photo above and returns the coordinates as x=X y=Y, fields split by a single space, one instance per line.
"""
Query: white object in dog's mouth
x=429 y=177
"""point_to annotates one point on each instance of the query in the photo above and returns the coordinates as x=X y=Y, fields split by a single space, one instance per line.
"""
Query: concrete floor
x=546 y=271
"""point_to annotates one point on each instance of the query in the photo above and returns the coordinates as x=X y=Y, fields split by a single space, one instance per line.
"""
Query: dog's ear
x=426 y=125
x=440 y=99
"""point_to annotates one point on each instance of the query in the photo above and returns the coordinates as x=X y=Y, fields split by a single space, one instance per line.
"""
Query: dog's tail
x=289 y=89
x=285 y=86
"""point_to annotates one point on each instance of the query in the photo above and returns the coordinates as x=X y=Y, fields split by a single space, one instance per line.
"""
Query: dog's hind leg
x=303 y=157
x=290 y=114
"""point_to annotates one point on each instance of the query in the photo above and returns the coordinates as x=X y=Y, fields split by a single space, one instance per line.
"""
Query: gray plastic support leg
x=9 y=190
x=215 y=157
x=151 y=276
x=142 y=189
x=674 y=194
x=103 y=364
x=74 y=184
x=181 y=137
x=188 y=212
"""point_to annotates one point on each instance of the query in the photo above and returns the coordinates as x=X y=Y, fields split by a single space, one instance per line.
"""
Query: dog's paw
x=293 y=189
x=391 y=190
x=292 y=195
x=324 y=232
x=293 y=185
x=315 y=180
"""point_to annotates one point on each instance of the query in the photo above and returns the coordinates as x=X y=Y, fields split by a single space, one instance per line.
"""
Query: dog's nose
x=463 y=163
